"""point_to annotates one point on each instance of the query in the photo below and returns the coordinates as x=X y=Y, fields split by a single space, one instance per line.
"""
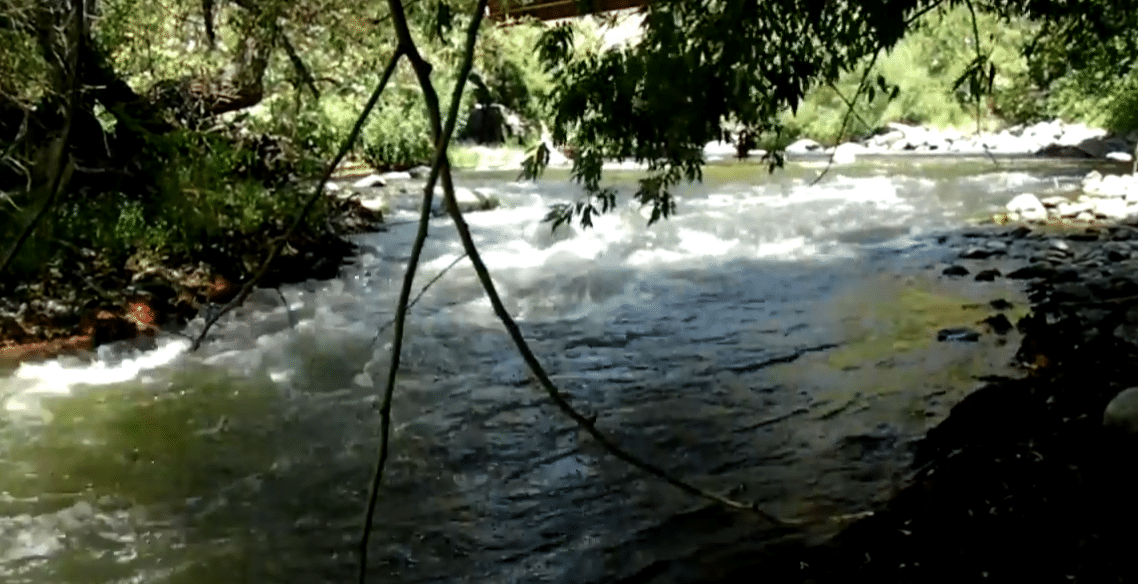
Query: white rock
x=371 y=180
x=1120 y=156
x=1122 y=411
x=803 y=146
x=847 y=153
x=1055 y=201
x=1027 y=206
x=1112 y=208
x=390 y=176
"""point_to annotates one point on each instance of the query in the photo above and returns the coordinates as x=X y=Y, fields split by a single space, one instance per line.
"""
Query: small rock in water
x=1122 y=411
x=1032 y=271
x=964 y=335
x=1000 y=304
x=420 y=172
x=988 y=275
x=371 y=180
x=999 y=324
x=955 y=271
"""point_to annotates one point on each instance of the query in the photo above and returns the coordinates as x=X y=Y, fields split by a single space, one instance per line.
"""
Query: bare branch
x=442 y=138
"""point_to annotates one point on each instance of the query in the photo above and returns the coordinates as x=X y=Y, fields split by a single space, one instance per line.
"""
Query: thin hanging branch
x=849 y=111
x=281 y=241
x=422 y=291
x=442 y=139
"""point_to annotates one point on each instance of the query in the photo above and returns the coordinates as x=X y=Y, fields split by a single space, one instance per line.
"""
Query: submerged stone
x=958 y=334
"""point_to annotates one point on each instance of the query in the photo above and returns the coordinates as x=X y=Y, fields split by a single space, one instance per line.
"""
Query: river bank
x=1028 y=478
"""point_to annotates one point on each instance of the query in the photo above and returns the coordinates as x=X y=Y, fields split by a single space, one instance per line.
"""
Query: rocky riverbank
x=85 y=301
x=1053 y=139
x=1028 y=479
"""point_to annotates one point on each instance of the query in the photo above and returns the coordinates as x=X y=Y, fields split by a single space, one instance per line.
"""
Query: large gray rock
x=1100 y=147
x=1027 y=206
x=1122 y=411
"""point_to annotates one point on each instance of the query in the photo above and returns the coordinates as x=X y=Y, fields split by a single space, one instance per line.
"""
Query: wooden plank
x=554 y=9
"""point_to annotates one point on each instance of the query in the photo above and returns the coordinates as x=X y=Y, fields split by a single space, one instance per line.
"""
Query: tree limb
x=442 y=138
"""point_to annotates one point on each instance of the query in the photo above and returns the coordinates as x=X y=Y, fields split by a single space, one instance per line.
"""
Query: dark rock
x=988 y=275
x=1085 y=236
x=419 y=172
x=959 y=334
x=1066 y=274
x=955 y=271
x=1032 y=271
x=1019 y=232
x=1000 y=304
x=1068 y=292
x=999 y=324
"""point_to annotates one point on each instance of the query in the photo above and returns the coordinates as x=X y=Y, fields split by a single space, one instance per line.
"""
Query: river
x=774 y=338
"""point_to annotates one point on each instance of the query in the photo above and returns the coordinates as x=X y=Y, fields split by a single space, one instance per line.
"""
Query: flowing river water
x=773 y=335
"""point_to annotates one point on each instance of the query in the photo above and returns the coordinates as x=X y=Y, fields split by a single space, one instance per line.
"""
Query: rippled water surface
x=773 y=335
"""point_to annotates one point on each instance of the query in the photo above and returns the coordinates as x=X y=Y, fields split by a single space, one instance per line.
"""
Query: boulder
x=1120 y=156
x=1122 y=411
x=1100 y=147
x=1028 y=207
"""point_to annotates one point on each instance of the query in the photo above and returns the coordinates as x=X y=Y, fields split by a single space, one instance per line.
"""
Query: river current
x=774 y=339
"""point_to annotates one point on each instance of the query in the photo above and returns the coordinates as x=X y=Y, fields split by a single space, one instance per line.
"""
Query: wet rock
x=1085 y=236
x=988 y=275
x=394 y=176
x=420 y=172
x=999 y=324
x=1060 y=245
x=1033 y=271
x=1000 y=304
x=1122 y=411
x=959 y=334
x=955 y=270
x=1066 y=273
x=1019 y=232
x=1068 y=292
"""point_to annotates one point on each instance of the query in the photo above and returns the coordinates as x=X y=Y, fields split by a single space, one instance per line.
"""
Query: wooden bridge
x=554 y=9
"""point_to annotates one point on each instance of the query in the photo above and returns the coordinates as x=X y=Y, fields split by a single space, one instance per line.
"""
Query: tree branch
x=442 y=138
